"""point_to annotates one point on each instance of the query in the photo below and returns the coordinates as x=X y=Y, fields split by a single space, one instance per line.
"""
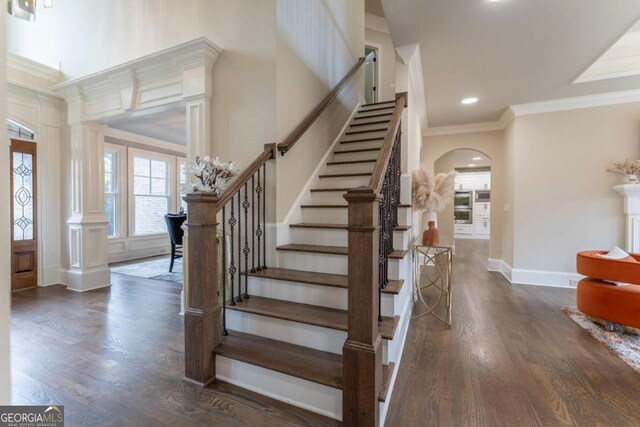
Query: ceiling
x=508 y=52
x=168 y=126
x=464 y=158
x=374 y=7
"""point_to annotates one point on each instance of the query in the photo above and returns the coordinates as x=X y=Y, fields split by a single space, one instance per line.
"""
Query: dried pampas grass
x=432 y=193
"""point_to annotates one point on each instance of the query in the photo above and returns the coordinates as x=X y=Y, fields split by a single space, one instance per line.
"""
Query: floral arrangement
x=209 y=175
x=432 y=193
x=629 y=167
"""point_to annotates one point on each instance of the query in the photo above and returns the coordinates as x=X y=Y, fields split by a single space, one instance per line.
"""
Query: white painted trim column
x=631 y=194
x=88 y=262
x=196 y=92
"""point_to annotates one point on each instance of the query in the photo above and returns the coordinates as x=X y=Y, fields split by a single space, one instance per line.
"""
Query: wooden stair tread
x=302 y=362
x=325 y=317
x=329 y=189
x=391 y=101
x=330 y=250
x=337 y=226
x=355 y=132
x=376 y=109
x=351 y=141
x=298 y=361
x=379 y=122
x=313 y=278
x=372 y=115
x=358 y=150
x=351 y=162
x=345 y=175
x=323 y=206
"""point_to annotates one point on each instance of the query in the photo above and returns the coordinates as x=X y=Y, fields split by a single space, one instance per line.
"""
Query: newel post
x=361 y=354
x=203 y=313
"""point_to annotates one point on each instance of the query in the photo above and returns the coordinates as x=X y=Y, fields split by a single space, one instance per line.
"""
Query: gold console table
x=439 y=278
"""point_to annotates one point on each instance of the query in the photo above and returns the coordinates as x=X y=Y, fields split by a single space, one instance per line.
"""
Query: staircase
x=285 y=341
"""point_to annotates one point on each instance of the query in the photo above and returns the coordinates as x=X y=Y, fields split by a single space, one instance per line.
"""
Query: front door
x=24 y=244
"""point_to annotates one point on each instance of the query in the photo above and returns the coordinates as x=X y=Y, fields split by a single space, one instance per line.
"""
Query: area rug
x=157 y=269
x=625 y=345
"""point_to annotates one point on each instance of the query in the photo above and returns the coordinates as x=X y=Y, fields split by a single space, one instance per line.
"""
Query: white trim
x=556 y=279
x=410 y=55
x=33 y=68
x=376 y=23
x=468 y=128
x=500 y=266
x=122 y=135
x=121 y=189
x=578 y=102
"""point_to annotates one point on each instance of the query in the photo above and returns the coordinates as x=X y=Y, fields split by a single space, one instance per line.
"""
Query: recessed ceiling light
x=471 y=100
x=471 y=165
x=477 y=158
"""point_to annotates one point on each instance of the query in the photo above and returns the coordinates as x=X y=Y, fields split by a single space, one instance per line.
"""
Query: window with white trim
x=182 y=179
x=110 y=191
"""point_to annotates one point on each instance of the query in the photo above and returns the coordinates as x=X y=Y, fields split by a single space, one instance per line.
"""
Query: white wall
x=563 y=197
x=5 y=277
x=317 y=43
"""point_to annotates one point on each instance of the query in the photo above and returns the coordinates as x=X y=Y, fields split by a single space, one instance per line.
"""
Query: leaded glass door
x=24 y=244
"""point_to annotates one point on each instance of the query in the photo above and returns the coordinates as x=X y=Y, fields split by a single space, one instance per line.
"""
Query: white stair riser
x=372 y=117
x=302 y=393
x=326 y=263
x=339 y=215
x=350 y=168
x=362 y=155
x=335 y=237
x=305 y=293
x=311 y=336
x=327 y=197
x=373 y=126
x=359 y=145
x=343 y=182
x=366 y=135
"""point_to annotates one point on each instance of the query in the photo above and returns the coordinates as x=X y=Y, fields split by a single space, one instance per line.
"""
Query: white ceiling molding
x=376 y=23
x=410 y=55
x=468 y=128
x=156 y=82
x=121 y=136
x=577 y=102
x=45 y=96
x=33 y=68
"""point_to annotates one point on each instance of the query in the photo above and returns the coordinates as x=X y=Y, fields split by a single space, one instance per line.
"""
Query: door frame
x=38 y=186
x=378 y=48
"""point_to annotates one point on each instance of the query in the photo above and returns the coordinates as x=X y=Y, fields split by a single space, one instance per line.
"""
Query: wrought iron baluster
x=246 y=250
x=224 y=272
x=264 y=217
x=239 y=297
x=232 y=264
x=253 y=224
x=259 y=229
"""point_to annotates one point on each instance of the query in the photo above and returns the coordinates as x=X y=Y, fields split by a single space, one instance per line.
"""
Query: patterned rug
x=157 y=269
x=625 y=345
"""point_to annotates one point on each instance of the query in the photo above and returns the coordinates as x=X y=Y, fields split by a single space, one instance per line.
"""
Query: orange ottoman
x=606 y=301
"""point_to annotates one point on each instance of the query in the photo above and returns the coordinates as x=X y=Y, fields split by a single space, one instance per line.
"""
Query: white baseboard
x=520 y=276
x=501 y=267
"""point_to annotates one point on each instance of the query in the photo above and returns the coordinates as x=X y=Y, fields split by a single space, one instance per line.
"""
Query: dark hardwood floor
x=115 y=357
x=512 y=358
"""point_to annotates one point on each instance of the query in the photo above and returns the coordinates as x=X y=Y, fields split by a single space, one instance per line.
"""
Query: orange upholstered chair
x=606 y=301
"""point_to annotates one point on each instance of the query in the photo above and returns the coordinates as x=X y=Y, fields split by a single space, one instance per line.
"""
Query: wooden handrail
x=377 y=178
x=290 y=141
x=268 y=154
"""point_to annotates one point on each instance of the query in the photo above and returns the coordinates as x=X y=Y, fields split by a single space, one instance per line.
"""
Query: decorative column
x=88 y=261
x=631 y=194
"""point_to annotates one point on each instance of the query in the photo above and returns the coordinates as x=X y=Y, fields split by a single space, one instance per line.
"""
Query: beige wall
x=386 y=62
x=563 y=197
x=491 y=144
x=508 y=203
x=5 y=279
x=317 y=43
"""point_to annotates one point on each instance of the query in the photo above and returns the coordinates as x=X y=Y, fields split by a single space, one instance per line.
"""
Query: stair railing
x=226 y=240
x=372 y=216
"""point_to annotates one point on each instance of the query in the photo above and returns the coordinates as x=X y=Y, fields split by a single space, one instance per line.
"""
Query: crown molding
x=466 y=128
x=42 y=94
x=33 y=68
x=577 y=102
x=410 y=55
x=376 y=23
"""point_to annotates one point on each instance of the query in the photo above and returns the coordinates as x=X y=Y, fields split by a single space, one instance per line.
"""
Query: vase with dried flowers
x=210 y=175
x=629 y=167
x=431 y=194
